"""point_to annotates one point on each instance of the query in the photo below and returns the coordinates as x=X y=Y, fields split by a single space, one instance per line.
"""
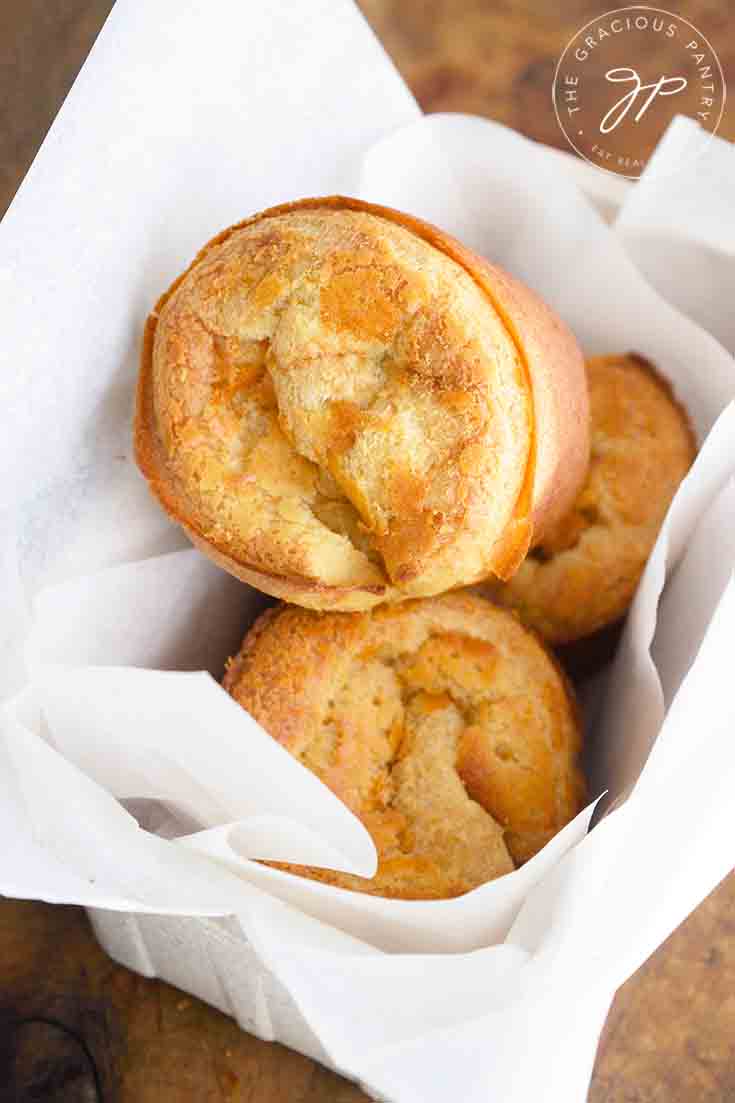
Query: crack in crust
x=442 y=723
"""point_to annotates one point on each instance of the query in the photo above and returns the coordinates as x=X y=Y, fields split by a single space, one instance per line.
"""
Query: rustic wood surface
x=498 y=57
x=74 y=1027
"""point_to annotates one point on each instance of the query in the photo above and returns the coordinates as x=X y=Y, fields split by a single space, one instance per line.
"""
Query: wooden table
x=74 y=1027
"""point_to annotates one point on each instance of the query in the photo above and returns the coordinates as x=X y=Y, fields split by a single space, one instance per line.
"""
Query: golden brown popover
x=343 y=406
x=442 y=723
x=583 y=575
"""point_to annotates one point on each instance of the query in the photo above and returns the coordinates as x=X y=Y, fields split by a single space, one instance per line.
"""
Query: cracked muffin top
x=442 y=723
x=335 y=410
x=583 y=574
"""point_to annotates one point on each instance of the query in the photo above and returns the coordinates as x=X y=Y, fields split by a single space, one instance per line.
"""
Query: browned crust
x=301 y=643
x=555 y=380
x=583 y=653
x=668 y=388
x=290 y=666
x=151 y=460
x=287 y=662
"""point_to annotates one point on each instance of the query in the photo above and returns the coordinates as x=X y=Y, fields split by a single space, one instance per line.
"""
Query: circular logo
x=622 y=79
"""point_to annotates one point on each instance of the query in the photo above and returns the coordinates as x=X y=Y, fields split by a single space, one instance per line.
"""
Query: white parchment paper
x=678 y=226
x=129 y=779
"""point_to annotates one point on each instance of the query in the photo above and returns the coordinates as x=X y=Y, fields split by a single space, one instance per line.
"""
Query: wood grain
x=671 y=1034
x=497 y=57
x=148 y=1041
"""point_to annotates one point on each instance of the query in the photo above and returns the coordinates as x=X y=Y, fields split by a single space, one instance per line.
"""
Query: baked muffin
x=442 y=723
x=583 y=574
x=343 y=406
